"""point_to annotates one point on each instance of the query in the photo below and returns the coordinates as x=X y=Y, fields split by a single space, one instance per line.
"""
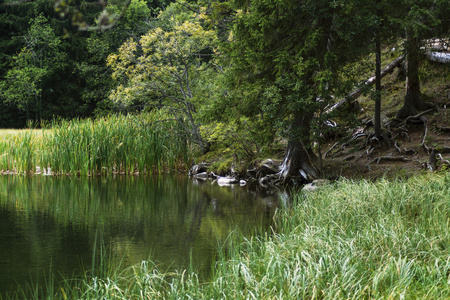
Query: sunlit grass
x=350 y=240
x=4 y=133
x=144 y=143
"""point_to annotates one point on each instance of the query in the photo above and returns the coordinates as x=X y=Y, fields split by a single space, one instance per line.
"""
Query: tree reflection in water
x=59 y=222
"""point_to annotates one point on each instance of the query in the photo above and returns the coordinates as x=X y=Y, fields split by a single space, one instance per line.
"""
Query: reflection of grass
x=364 y=240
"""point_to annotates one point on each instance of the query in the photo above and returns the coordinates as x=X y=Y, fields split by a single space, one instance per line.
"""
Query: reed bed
x=351 y=240
x=18 y=149
x=145 y=143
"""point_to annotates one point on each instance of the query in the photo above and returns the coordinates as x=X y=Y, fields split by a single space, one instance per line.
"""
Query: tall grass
x=351 y=240
x=18 y=150
x=144 y=143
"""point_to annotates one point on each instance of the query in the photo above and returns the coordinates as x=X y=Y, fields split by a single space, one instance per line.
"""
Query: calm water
x=59 y=223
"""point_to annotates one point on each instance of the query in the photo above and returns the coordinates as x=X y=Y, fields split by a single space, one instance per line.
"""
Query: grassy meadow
x=144 y=143
x=388 y=239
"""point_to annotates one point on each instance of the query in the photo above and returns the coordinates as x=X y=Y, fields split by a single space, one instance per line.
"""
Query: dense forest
x=240 y=75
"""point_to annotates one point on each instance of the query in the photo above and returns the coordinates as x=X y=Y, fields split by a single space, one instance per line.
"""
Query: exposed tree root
x=443 y=128
x=329 y=150
x=389 y=158
x=409 y=151
x=397 y=147
x=425 y=123
x=272 y=180
x=411 y=119
x=367 y=152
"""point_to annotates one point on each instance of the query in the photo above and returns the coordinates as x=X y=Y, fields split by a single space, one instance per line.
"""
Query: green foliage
x=33 y=67
x=420 y=19
x=77 y=86
x=287 y=57
x=165 y=69
x=92 y=70
x=233 y=140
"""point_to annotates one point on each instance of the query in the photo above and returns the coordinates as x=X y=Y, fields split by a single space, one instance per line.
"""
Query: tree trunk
x=377 y=118
x=297 y=161
x=413 y=98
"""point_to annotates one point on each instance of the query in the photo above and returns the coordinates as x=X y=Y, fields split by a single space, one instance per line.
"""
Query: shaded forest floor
x=402 y=156
x=407 y=151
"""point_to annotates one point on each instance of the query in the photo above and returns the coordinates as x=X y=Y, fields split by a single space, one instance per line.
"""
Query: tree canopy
x=277 y=65
x=164 y=69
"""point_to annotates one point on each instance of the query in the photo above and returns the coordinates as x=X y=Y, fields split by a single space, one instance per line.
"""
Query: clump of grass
x=122 y=144
x=145 y=143
x=18 y=150
x=358 y=240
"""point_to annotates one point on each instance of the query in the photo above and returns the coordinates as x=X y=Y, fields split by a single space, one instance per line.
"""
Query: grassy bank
x=351 y=240
x=116 y=144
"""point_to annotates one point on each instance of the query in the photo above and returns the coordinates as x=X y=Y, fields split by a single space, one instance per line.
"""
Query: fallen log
x=439 y=57
x=356 y=93
x=437 y=44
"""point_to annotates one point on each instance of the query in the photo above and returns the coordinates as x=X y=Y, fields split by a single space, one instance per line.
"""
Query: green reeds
x=117 y=144
x=18 y=151
x=145 y=143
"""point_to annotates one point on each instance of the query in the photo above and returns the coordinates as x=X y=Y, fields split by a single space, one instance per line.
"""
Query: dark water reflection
x=58 y=223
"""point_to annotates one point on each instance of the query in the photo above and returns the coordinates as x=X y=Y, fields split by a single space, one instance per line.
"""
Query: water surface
x=63 y=223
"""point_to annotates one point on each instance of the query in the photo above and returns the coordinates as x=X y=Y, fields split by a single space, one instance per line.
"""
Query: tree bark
x=414 y=101
x=297 y=161
x=377 y=118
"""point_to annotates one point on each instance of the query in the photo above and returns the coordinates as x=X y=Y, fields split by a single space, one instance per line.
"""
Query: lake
x=64 y=224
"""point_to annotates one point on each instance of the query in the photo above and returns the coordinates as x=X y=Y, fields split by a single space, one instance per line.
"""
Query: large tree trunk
x=297 y=161
x=414 y=101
